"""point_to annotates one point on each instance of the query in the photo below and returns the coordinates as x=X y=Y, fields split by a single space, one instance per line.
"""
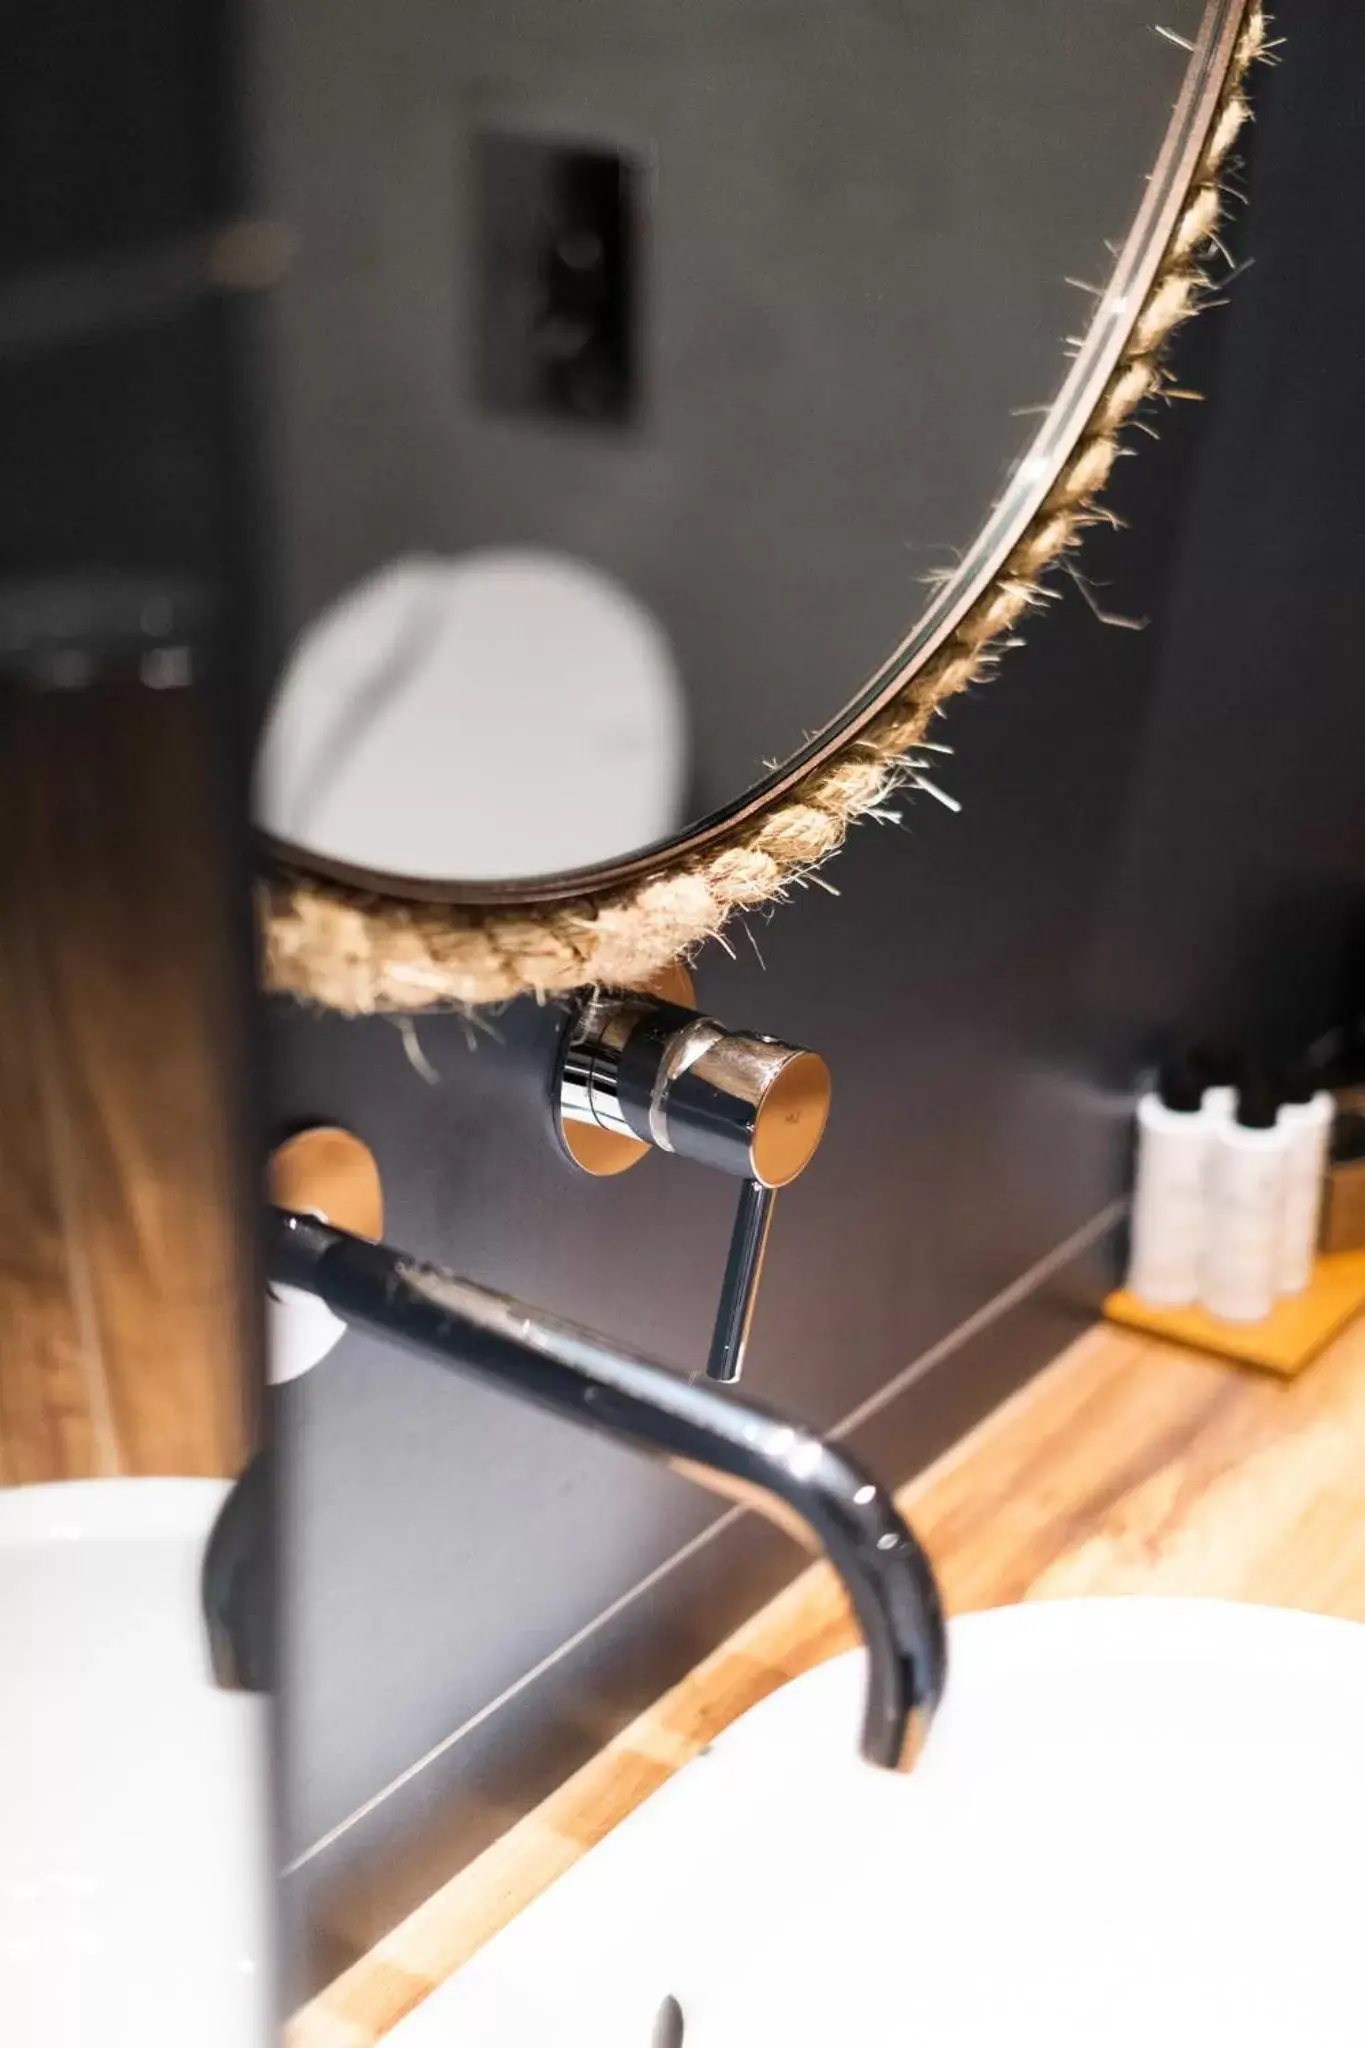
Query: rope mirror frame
x=337 y=938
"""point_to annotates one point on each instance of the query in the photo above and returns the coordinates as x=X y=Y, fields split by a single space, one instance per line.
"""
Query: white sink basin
x=1137 y=1822
x=133 y=1840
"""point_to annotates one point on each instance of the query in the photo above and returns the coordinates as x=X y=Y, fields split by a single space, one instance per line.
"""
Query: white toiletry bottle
x=1168 y=1190
x=1245 y=1202
x=1306 y=1115
x=1219 y=1068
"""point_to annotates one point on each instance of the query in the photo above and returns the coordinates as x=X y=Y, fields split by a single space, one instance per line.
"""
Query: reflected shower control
x=637 y=1071
x=555 y=251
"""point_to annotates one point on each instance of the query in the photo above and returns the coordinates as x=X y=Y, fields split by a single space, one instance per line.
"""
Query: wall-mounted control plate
x=556 y=245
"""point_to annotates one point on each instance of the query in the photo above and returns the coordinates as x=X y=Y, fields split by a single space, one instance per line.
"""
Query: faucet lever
x=637 y=1072
x=739 y=1285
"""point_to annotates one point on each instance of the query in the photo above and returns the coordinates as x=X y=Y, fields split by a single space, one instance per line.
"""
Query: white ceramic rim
x=77 y=1510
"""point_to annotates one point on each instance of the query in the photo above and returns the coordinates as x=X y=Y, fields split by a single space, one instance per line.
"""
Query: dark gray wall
x=1162 y=830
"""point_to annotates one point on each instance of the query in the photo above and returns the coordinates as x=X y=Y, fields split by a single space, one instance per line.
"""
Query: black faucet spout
x=734 y=1447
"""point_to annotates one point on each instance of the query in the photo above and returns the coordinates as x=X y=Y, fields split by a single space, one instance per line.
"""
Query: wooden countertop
x=1128 y=1466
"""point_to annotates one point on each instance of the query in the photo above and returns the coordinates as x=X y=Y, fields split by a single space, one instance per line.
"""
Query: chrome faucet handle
x=739 y=1282
x=636 y=1071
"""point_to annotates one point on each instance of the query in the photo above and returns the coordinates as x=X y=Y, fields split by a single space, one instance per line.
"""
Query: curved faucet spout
x=733 y=1447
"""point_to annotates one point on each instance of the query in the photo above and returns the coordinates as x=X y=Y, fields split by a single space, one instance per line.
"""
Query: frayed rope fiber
x=361 y=953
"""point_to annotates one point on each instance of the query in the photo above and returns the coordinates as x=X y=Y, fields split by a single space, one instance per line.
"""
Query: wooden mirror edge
x=361 y=950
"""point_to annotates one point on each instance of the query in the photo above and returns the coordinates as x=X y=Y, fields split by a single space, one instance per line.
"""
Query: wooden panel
x=53 y=1415
x=121 y=1168
x=1129 y=1466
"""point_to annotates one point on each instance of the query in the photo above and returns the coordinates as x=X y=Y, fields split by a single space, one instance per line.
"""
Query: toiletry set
x=1229 y=1187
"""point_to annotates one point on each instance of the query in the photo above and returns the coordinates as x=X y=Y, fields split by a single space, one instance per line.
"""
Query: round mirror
x=657 y=385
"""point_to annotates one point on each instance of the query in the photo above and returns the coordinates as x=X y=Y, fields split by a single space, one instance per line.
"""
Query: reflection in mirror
x=659 y=364
x=470 y=717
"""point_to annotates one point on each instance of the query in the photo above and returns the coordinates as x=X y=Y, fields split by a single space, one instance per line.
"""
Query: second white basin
x=1137 y=1822
x=134 y=1865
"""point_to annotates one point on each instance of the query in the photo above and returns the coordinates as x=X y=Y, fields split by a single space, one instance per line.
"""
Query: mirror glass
x=639 y=371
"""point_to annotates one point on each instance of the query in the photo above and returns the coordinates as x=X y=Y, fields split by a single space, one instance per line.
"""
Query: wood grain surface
x=1129 y=1466
x=124 y=1311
